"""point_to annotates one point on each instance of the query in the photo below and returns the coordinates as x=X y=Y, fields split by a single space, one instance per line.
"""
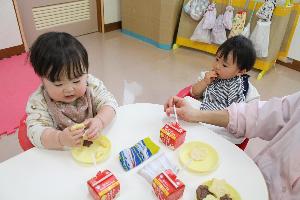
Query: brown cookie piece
x=202 y=191
x=225 y=197
x=87 y=143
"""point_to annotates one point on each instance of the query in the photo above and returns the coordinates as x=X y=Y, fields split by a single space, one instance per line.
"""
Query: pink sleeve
x=262 y=119
x=296 y=189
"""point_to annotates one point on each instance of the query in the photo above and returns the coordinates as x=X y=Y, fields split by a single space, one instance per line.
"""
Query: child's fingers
x=78 y=136
x=88 y=131
x=87 y=122
x=78 y=132
x=78 y=143
x=92 y=135
x=91 y=131
x=214 y=74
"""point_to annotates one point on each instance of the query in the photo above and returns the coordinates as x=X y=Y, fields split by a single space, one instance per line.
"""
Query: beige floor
x=138 y=72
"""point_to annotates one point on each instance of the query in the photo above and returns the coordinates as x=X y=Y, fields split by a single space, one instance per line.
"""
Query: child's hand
x=71 y=138
x=94 y=127
x=210 y=77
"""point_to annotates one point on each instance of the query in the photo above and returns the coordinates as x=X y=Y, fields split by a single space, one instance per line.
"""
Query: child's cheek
x=82 y=90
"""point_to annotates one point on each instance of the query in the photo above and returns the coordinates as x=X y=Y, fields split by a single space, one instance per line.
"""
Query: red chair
x=22 y=135
x=243 y=145
x=186 y=92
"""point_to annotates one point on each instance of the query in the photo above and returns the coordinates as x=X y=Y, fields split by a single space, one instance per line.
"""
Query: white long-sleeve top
x=38 y=117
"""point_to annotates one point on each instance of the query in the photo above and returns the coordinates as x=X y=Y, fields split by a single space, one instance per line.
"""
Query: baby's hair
x=54 y=54
x=242 y=50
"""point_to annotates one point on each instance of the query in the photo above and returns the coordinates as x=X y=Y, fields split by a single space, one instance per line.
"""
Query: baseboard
x=148 y=40
x=12 y=51
x=112 y=26
x=294 y=65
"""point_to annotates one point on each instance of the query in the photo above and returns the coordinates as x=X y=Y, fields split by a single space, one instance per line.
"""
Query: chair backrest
x=252 y=93
x=22 y=135
x=243 y=145
x=185 y=92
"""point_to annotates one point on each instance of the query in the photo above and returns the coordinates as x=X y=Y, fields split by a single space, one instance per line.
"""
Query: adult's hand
x=183 y=109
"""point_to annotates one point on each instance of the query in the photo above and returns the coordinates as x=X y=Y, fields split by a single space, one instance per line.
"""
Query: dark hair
x=242 y=50
x=54 y=53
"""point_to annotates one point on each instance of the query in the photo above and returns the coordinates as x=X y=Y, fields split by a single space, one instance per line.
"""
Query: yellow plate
x=97 y=152
x=198 y=157
x=230 y=190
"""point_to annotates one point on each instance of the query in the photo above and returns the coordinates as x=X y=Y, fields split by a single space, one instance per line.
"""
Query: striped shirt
x=221 y=93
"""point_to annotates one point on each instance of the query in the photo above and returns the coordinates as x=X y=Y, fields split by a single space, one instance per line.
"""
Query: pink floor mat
x=17 y=82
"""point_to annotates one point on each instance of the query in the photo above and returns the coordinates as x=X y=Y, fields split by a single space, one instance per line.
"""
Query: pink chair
x=22 y=135
x=186 y=92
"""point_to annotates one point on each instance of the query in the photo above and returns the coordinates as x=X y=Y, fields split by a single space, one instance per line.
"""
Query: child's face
x=226 y=69
x=66 y=90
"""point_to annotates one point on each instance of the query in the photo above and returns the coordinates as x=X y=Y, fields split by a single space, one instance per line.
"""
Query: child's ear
x=241 y=72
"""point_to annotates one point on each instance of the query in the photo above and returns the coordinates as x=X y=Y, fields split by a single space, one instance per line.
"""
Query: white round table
x=45 y=174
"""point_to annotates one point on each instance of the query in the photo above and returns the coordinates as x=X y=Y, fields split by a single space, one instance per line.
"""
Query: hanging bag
x=201 y=34
x=238 y=24
x=187 y=7
x=228 y=16
x=261 y=34
x=265 y=12
x=223 y=22
x=239 y=21
x=210 y=16
x=246 y=31
x=198 y=9
x=218 y=34
x=260 y=38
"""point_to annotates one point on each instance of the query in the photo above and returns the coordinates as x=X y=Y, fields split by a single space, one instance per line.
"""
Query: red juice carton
x=166 y=186
x=172 y=135
x=104 y=186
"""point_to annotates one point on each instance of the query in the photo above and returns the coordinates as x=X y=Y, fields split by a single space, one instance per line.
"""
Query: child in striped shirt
x=227 y=82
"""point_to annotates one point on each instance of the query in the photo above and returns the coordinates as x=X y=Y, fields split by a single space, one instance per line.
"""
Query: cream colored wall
x=112 y=11
x=9 y=32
